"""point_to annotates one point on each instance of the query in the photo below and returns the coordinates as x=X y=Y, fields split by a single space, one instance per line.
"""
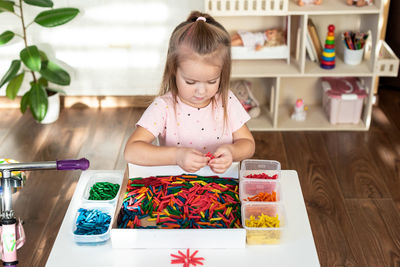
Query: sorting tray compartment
x=96 y=238
x=256 y=166
x=261 y=235
x=251 y=187
x=114 y=177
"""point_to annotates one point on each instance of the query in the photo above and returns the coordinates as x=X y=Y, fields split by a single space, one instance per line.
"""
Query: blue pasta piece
x=92 y=222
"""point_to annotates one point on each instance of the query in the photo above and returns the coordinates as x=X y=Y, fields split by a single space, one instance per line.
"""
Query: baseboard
x=139 y=101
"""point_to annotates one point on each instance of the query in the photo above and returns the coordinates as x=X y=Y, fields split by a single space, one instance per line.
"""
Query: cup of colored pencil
x=354 y=43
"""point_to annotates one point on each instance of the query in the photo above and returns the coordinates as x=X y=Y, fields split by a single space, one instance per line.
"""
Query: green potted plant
x=42 y=70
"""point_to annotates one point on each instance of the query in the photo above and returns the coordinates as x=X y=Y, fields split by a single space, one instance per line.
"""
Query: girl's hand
x=190 y=159
x=223 y=159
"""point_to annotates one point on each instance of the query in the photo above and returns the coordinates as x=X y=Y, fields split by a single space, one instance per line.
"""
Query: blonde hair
x=204 y=38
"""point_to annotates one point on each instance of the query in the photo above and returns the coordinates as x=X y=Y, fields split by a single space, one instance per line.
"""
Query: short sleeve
x=237 y=115
x=154 y=117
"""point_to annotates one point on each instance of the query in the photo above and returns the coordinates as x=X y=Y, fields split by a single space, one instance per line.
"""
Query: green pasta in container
x=103 y=191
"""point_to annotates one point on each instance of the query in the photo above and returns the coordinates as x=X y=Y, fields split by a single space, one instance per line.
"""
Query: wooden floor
x=350 y=180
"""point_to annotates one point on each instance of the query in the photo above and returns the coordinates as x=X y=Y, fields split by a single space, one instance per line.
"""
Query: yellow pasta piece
x=263 y=221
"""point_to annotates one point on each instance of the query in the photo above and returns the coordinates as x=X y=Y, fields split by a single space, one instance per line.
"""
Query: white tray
x=175 y=238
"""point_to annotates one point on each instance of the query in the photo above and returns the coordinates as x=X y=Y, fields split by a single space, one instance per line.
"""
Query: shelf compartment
x=263 y=90
x=246 y=7
x=267 y=52
x=387 y=63
x=316 y=121
x=309 y=89
x=356 y=23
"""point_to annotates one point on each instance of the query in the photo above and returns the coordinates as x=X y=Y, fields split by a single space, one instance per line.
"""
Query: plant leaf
x=14 y=85
x=57 y=90
x=31 y=57
x=54 y=73
x=11 y=72
x=43 y=56
x=24 y=102
x=7 y=6
x=6 y=36
x=41 y=3
x=38 y=101
x=56 y=17
x=43 y=82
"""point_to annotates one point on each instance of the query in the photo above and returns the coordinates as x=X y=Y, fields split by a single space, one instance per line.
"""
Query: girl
x=195 y=113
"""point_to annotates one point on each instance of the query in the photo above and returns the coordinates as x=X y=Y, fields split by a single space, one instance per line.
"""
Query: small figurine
x=359 y=3
x=241 y=89
x=299 y=113
x=258 y=40
x=328 y=54
x=306 y=2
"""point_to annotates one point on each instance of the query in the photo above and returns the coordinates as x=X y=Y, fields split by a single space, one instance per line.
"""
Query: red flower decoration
x=187 y=259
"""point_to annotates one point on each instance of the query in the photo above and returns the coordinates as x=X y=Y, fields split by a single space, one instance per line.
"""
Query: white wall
x=113 y=47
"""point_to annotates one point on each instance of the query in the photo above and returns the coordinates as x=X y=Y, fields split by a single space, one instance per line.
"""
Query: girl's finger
x=200 y=161
x=218 y=170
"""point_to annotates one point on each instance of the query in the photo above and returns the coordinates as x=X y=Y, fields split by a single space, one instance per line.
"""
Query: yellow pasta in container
x=264 y=222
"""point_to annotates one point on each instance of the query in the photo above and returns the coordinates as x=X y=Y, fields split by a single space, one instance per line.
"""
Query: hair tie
x=201 y=18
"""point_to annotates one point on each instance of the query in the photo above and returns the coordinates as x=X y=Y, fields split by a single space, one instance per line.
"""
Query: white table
x=296 y=249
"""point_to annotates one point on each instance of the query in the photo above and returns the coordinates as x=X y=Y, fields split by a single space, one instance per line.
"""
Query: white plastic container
x=264 y=235
x=105 y=208
x=353 y=57
x=343 y=99
x=114 y=177
x=256 y=166
x=251 y=187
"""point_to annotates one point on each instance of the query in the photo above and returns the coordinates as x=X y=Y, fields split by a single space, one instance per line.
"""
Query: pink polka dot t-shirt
x=187 y=126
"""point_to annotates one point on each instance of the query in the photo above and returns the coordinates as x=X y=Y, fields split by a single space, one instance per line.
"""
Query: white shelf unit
x=278 y=83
